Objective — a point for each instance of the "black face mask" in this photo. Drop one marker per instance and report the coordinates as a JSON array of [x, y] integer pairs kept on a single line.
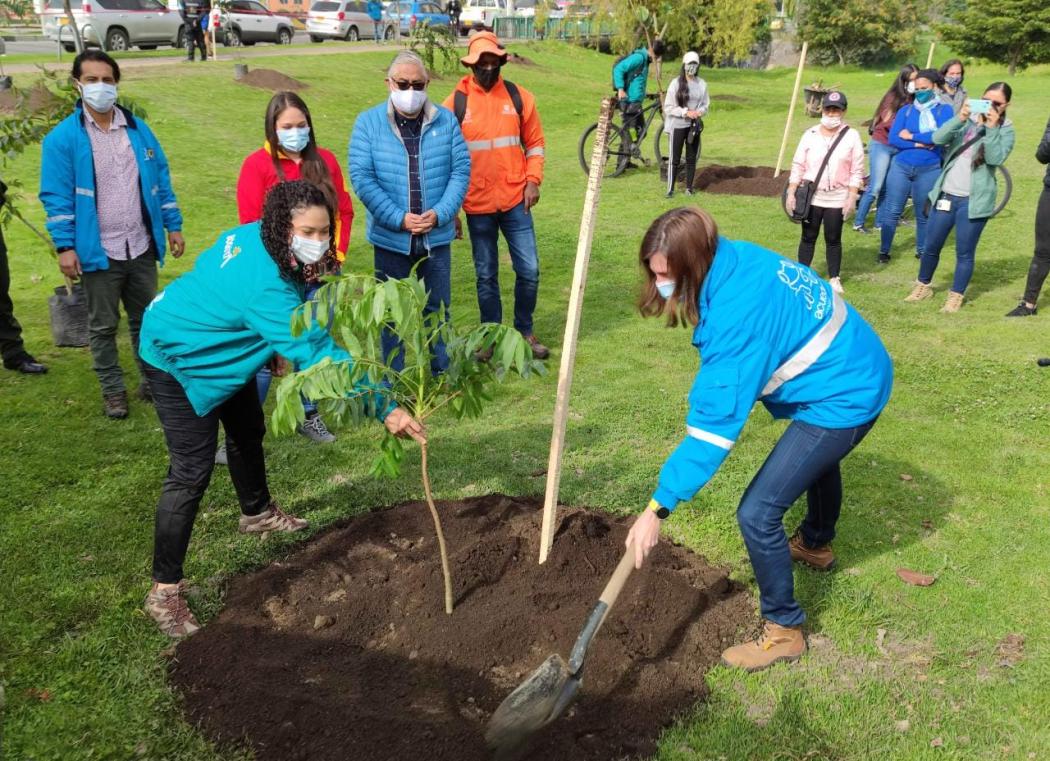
[[487, 78]]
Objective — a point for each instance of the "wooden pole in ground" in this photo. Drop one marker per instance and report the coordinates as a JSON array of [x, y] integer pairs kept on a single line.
[[791, 108], [929, 58], [572, 325]]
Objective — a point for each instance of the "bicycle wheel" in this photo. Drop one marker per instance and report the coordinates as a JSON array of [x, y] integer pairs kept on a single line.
[[662, 145], [618, 150], [1004, 189]]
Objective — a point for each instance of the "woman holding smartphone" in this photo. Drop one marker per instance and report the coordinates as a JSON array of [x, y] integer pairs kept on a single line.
[[963, 197]]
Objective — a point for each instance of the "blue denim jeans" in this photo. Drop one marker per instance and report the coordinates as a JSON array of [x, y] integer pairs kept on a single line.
[[901, 181], [435, 271], [879, 158], [516, 225], [806, 459], [967, 234], [264, 378]]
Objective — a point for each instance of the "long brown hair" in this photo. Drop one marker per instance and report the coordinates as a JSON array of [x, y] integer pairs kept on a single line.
[[313, 168], [688, 237]]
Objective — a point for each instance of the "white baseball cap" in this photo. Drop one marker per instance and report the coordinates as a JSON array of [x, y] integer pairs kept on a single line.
[[691, 57]]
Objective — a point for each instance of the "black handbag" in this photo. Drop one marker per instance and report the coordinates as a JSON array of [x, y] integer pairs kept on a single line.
[[807, 189], [696, 126]]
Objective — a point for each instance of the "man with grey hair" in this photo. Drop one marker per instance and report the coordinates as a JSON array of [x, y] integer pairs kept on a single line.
[[411, 187]]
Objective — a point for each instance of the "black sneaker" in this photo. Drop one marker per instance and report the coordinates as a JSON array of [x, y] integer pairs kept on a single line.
[[884, 258], [1021, 310], [25, 364], [861, 229], [669, 194]]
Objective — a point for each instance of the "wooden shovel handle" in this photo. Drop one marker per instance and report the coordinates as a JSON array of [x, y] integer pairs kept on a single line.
[[600, 611], [619, 578]]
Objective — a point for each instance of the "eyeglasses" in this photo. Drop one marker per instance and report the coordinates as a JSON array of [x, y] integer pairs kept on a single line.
[[404, 85]]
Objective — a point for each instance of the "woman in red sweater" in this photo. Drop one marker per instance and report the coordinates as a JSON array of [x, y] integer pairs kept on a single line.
[[291, 153]]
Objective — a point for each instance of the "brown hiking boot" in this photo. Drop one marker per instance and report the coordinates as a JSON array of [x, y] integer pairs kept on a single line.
[[169, 609], [920, 292], [273, 519], [820, 558], [777, 643], [539, 351], [953, 303], [115, 406]]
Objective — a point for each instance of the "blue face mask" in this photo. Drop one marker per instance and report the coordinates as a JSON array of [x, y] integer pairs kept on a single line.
[[665, 288], [953, 82], [923, 96], [294, 139]]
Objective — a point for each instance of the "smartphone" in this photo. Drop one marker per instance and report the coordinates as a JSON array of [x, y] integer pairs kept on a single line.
[[979, 105]]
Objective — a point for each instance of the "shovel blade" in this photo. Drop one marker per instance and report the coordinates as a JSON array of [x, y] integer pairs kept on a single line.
[[528, 708]]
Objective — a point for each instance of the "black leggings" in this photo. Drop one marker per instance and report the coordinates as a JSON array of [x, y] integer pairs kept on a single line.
[[192, 440], [1040, 266], [832, 221], [692, 152]]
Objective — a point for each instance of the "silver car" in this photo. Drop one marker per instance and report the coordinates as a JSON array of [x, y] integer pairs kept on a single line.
[[113, 24], [345, 20], [245, 22]]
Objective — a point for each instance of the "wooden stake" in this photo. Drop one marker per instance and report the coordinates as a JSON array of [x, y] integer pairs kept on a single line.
[[929, 58], [572, 325], [791, 108]]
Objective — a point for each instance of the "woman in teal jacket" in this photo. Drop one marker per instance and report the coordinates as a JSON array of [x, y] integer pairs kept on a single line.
[[204, 338], [964, 195], [768, 329]]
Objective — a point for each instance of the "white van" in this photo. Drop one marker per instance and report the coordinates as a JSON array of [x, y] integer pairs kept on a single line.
[[345, 20], [113, 24]]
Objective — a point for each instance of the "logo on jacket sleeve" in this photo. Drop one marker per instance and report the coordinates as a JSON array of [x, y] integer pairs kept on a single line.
[[805, 285], [229, 251]]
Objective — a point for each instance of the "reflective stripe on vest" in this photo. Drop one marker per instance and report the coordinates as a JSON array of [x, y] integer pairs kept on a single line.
[[509, 141], [711, 438], [804, 358]]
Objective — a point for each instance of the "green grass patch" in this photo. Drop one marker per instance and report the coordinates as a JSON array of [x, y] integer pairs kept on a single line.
[[82, 667]]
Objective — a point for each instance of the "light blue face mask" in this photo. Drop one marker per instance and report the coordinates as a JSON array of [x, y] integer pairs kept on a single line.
[[100, 96], [665, 288], [294, 139]]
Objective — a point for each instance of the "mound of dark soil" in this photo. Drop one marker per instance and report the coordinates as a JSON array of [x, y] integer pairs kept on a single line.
[[520, 59], [343, 650], [37, 99], [740, 180], [268, 79]]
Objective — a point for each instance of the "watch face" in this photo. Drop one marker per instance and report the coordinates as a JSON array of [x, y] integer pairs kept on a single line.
[[662, 513]]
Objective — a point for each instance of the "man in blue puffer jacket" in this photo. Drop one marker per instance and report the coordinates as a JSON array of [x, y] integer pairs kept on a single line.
[[105, 186], [410, 167]]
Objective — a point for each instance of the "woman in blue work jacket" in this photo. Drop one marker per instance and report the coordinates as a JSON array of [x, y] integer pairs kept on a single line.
[[768, 329], [203, 339]]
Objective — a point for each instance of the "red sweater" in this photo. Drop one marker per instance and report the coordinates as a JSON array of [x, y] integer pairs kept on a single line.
[[258, 175]]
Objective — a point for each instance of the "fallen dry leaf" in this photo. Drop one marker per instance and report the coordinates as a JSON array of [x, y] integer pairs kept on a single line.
[[903, 725], [915, 578], [927, 524], [880, 639], [1010, 650], [936, 742], [37, 694], [906, 477]]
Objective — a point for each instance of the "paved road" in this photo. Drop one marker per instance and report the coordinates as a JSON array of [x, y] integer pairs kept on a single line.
[[46, 46]]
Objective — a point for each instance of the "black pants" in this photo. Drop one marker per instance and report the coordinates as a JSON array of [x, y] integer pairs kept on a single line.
[[1037, 272], [192, 441], [832, 221], [692, 152], [11, 347], [194, 39]]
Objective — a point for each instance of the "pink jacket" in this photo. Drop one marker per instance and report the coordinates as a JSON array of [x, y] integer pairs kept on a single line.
[[846, 168]]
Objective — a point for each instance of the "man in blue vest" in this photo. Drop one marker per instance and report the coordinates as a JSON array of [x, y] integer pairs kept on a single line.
[[105, 186], [630, 78]]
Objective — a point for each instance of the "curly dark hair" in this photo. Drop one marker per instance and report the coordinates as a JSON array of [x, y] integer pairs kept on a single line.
[[284, 201]]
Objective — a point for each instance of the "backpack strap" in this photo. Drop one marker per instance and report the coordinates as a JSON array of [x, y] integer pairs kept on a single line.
[[459, 106]]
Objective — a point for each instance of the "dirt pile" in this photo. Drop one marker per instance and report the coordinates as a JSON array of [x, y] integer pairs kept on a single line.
[[38, 99], [343, 650], [740, 180], [268, 79]]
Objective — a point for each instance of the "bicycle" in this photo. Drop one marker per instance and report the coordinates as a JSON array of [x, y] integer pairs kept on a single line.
[[1004, 190], [621, 147]]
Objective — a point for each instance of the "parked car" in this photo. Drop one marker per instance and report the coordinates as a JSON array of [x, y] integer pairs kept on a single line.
[[345, 20], [113, 24], [412, 13], [246, 22]]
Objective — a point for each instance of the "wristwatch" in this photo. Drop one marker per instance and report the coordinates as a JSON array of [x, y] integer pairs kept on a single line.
[[661, 511]]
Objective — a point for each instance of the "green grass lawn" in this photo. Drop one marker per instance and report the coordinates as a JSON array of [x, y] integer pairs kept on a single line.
[[83, 669]]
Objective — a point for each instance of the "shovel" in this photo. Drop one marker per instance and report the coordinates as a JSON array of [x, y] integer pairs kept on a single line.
[[545, 695]]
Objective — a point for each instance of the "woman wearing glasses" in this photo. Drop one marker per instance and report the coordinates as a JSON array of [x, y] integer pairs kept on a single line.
[[410, 167], [290, 152]]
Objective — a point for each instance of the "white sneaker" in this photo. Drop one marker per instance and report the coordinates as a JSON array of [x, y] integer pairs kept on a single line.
[[314, 429], [836, 285]]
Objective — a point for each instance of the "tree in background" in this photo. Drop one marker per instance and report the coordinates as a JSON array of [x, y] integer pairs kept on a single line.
[[858, 31], [1011, 32]]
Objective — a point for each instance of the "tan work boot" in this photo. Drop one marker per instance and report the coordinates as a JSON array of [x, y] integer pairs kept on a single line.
[[169, 609], [953, 303], [820, 558], [777, 643], [271, 519], [920, 292]]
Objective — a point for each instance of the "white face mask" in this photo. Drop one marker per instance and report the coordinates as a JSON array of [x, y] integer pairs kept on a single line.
[[100, 96], [691, 69], [911, 88], [308, 250], [408, 101], [831, 122]]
